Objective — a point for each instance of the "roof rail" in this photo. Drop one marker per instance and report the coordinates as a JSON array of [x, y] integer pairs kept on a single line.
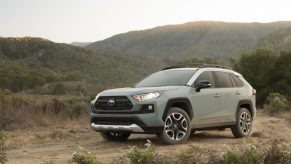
[[197, 65], [213, 66], [172, 67]]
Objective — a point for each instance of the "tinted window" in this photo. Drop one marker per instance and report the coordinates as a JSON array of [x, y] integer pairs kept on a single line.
[[167, 78], [223, 80], [232, 81], [206, 76], [238, 82]]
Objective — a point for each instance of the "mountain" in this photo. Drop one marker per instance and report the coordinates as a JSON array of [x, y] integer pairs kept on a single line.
[[277, 41], [80, 44], [195, 39], [27, 63]]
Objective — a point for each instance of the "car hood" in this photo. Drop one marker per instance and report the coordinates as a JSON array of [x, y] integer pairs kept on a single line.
[[134, 91]]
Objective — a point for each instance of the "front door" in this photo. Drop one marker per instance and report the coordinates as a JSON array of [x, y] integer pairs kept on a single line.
[[207, 103]]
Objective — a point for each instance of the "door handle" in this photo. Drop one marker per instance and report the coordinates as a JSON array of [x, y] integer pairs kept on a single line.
[[216, 95], [237, 93]]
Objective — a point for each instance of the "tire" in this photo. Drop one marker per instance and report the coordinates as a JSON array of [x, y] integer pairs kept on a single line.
[[243, 126], [177, 127], [115, 136]]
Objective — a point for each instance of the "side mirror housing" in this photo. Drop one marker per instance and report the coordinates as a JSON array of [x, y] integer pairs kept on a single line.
[[202, 84]]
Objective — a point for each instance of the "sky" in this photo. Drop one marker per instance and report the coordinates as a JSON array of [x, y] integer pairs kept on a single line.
[[92, 20]]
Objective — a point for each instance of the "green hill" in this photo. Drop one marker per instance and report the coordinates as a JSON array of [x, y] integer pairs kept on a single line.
[[277, 41], [196, 39], [27, 63]]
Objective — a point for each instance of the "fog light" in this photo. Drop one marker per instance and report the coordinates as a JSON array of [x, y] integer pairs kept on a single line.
[[147, 108], [150, 107]]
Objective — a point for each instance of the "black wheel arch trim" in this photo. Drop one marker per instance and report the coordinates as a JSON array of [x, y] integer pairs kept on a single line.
[[179, 100], [245, 102]]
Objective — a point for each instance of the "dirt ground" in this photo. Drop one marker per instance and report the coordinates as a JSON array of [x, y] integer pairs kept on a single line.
[[56, 144]]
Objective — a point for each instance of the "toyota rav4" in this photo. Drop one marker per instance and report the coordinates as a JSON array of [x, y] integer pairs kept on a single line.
[[175, 102]]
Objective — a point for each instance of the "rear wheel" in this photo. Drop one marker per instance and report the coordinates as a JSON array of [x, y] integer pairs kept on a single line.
[[243, 126], [176, 128], [115, 136]]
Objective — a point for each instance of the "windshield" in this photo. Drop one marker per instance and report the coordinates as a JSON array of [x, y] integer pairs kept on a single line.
[[167, 78]]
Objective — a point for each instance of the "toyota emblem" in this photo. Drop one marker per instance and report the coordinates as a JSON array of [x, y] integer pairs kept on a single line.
[[111, 102]]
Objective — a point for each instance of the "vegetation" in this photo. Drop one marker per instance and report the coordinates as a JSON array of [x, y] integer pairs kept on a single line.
[[277, 154], [268, 73], [277, 41], [147, 156], [194, 61], [29, 63], [195, 39], [3, 157], [276, 103], [84, 158], [23, 111], [248, 154]]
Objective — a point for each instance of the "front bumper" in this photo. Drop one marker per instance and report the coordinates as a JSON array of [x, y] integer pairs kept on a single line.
[[130, 128], [134, 123]]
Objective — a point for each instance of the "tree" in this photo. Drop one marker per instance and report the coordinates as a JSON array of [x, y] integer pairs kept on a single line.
[[266, 72]]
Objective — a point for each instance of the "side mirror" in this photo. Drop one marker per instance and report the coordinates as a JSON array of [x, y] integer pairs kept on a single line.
[[202, 84]]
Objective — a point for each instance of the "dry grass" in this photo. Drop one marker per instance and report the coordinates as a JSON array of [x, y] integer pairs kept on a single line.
[[22, 112], [3, 157], [285, 115]]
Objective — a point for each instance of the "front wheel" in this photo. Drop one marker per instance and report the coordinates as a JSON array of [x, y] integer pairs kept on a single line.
[[243, 126], [176, 127], [115, 136]]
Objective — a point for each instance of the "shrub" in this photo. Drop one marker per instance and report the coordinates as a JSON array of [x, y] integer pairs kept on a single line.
[[137, 155], [196, 155], [276, 154], [59, 89], [140, 156], [249, 154], [276, 103], [3, 157], [84, 158], [230, 156]]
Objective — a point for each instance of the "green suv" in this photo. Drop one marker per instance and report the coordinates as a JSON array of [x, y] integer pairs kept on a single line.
[[174, 102]]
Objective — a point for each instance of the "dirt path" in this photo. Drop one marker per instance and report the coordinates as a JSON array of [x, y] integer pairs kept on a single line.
[[56, 144]]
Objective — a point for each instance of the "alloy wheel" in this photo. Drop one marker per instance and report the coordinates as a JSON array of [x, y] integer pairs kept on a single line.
[[176, 126], [245, 122]]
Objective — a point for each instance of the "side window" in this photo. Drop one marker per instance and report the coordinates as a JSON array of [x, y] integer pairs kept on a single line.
[[223, 80], [207, 75], [238, 82], [232, 81]]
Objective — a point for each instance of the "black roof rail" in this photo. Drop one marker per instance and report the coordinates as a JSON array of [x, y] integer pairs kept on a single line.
[[213, 66], [198, 65], [172, 67]]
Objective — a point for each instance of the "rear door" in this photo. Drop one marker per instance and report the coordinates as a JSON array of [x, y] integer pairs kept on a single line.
[[207, 102], [228, 92]]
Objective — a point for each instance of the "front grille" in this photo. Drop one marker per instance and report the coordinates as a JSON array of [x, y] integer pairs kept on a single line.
[[113, 103]]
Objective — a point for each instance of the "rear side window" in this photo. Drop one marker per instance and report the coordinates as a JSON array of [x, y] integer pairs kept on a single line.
[[238, 82], [223, 80], [207, 75]]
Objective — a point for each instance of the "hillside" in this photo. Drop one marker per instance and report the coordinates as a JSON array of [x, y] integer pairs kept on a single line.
[[196, 39], [80, 44], [27, 63], [277, 41]]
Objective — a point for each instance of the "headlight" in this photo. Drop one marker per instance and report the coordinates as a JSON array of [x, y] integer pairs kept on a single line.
[[147, 96]]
